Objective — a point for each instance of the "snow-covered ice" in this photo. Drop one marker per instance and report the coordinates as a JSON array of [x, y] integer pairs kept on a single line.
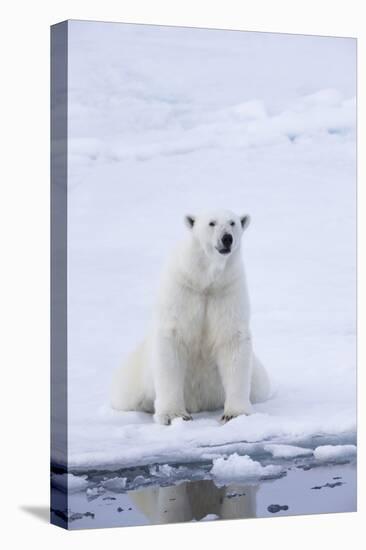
[[164, 121], [239, 468], [331, 453]]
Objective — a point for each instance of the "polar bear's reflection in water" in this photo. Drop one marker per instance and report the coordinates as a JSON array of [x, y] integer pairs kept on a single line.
[[194, 500]]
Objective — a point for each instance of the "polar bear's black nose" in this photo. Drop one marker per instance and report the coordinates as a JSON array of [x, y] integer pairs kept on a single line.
[[227, 240]]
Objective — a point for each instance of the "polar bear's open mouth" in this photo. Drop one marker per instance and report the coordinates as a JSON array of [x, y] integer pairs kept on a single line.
[[224, 250]]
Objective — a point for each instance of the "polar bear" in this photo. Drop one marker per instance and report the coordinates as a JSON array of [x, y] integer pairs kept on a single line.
[[198, 355]]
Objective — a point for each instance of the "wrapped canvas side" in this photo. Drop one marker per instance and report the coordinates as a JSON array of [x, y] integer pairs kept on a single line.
[[59, 499]]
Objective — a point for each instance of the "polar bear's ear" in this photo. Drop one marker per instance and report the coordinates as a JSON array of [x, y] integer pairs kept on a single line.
[[245, 221], [190, 221]]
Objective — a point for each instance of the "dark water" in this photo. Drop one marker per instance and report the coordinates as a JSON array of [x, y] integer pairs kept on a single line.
[[303, 488]]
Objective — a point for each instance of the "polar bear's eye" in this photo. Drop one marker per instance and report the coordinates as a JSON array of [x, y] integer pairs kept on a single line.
[[212, 224], [232, 223]]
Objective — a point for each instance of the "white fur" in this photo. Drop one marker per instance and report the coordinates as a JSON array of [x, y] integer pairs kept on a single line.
[[198, 355]]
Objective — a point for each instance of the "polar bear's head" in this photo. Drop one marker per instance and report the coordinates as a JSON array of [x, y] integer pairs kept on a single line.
[[219, 233]]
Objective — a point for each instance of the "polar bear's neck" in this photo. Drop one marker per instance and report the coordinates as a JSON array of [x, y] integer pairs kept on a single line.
[[201, 272]]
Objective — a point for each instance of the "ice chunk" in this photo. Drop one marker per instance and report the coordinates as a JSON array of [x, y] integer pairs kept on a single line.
[[210, 517], [115, 484], [329, 453], [237, 467], [69, 482], [161, 470], [287, 451], [94, 492]]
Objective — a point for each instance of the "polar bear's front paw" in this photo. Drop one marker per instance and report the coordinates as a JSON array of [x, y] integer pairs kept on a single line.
[[167, 418], [226, 417], [230, 414]]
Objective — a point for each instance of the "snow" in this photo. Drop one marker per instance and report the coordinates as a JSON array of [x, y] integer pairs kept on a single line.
[[237, 468], [69, 482], [287, 451], [165, 121], [330, 453]]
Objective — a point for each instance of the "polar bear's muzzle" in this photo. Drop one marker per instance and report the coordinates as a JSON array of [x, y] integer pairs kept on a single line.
[[225, 244]]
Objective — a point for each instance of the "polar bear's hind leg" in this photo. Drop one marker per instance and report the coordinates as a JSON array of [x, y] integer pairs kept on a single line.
[[129, 384]]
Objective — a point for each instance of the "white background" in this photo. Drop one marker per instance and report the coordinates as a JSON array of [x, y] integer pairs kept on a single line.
[[24, 222]]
